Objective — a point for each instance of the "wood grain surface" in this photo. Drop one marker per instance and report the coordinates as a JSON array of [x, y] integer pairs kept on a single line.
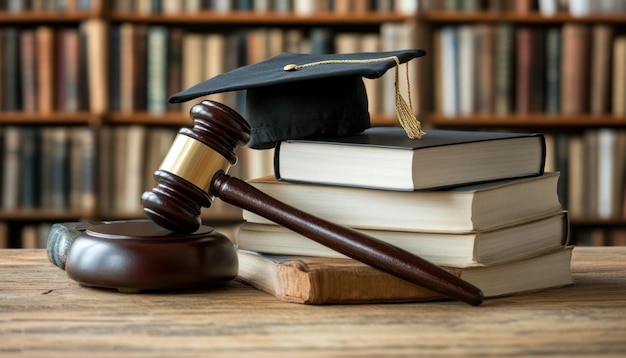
[[45, 314]]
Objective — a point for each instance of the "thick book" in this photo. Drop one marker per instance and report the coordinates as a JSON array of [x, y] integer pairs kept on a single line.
[[476, 248], [385, 158], [317, 280], [460, 209]]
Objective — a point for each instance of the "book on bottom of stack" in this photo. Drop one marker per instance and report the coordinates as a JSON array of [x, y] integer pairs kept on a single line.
[[506, 237], [324, 280]]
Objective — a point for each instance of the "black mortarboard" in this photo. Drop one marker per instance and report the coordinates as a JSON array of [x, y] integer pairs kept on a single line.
[[291, 96]]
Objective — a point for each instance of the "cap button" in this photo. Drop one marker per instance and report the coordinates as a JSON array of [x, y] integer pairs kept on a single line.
[[290, 67]]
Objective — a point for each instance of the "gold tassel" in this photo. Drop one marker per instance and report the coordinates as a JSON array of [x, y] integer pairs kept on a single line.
[[404, 110], [406, 116]]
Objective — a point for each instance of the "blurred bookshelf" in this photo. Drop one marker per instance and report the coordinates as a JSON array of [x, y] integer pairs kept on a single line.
[[91, 78], [84, 118], [549, 66]]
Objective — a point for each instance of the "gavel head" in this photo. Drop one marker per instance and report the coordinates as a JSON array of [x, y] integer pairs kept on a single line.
[[197, 154]]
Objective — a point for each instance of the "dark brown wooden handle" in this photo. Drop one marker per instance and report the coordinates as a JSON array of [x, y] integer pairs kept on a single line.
[[349, 242]]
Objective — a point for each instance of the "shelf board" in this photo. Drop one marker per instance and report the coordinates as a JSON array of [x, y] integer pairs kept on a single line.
[[511, 17], [597, 222], [256, 18], [526, 120], [35, 17], [147, 118], [53, 118], [44, 215]]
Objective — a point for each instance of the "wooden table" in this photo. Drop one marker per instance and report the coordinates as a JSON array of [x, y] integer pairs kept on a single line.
[[45, 314]]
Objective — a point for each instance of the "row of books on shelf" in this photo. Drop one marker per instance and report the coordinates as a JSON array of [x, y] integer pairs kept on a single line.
[[98, 173], [48, 70], [149, 63], [60, 6], [504, 68], [27, 235], [55, 168], [498, 225], [593, 172], [298, 7], [130, 154], [48, 168], [45, 69], [523, 7]]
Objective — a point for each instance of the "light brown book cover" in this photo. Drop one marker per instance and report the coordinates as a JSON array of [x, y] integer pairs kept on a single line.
[[314, 280]]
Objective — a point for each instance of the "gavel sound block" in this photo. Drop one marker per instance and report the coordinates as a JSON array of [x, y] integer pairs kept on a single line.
[[134, 256], [194, 171]]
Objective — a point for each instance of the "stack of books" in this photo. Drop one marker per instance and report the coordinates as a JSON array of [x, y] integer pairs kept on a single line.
[[478, 204]]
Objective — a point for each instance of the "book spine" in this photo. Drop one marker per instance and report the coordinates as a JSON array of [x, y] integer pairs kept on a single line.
[[553, 66], [574, 69], [29, 168], [115, 69], [28, 61], [450, 70], [467, 68], [619, 76], [485, 79], [45, 184], [59, 183], [45, 68], [139, 68], [127, 70], [606, 172], [11, 167], [504, 68], [174, 64], [602, 37], [96, 33], [157, 69]]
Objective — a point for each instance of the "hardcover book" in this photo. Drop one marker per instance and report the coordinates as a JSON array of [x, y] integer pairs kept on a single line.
[[385, 158], [446, 249], [460, 209], [318, 280]]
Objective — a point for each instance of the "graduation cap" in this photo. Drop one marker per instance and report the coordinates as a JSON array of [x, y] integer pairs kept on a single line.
[[292, 96]]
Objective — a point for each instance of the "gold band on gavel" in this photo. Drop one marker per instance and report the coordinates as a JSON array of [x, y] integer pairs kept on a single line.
[[194, 161]]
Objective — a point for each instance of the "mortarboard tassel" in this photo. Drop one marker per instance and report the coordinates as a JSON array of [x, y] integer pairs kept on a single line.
[[406, 116]]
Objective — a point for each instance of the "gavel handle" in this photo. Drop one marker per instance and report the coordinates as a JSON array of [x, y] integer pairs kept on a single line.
[[349, 242]]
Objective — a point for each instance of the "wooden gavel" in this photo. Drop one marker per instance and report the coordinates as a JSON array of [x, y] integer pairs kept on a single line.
[[194, 170]]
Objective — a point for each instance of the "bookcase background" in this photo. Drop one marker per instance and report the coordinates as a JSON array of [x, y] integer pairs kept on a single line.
[[84, 118], [552, 66], [89, 80]]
